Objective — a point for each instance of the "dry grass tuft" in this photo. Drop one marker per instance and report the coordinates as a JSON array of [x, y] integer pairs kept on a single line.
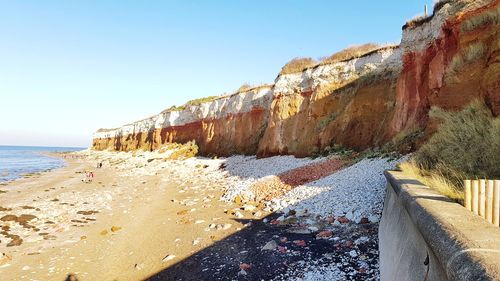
[[471, 54], [440, 4], [433, 180], [419, 20], [298, 65], [416, 21], [244, 87], [191, 103], [466, 145], [490, 17], [351, 53]]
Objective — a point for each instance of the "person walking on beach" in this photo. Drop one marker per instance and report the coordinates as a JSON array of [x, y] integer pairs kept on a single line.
[[86, 178]]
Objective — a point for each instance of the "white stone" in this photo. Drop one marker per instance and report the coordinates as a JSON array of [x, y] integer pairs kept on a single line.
[[168, 258]]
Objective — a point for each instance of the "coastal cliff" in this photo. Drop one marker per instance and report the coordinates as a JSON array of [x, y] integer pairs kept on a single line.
[[447, 59]]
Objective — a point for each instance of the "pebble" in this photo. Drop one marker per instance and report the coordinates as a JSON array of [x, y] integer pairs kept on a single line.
[[363, 183], [271, 245], [168, 258], [313, 228], [249, 208], [139, 266]]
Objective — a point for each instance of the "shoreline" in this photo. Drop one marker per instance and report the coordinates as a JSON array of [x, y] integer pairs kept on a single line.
[[51, 154]]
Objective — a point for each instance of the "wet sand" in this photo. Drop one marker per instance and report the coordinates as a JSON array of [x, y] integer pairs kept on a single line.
[[122, 226]]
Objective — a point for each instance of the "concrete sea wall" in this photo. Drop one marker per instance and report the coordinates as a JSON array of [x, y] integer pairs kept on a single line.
[[425, 236]]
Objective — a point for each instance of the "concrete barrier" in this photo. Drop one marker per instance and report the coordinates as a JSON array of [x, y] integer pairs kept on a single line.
[[426, 236]]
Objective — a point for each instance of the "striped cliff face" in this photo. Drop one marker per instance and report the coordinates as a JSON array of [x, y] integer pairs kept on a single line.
[[223, 126], [446, 61]]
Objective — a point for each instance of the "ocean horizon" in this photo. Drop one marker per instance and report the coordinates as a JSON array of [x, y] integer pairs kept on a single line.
[[15, 161]]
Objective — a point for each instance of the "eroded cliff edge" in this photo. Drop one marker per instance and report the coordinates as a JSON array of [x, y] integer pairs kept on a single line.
[[447, 60]]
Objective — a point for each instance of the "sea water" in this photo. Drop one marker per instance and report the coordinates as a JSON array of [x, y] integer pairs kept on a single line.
[[18, 160]]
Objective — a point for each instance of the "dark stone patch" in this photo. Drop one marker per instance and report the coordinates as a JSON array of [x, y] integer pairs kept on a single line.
[[87, 213], [222, 260]]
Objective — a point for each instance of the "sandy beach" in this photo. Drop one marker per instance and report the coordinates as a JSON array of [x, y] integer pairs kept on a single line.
[[147, 217], [117, 227]]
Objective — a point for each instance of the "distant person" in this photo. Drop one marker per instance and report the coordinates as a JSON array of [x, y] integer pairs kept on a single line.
[[100, 165], [85, 179]]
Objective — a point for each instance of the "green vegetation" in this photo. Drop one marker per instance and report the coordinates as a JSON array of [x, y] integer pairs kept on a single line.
[[201, 100], [490, 17], [351, 53], [467, 142], [184, 151], [323, 123], [191, 103], [180, 151], [419, 20], [466, 146], [336, 150], [194, 102], [405, 141], [298, 65], [471, 54], [175, 108]]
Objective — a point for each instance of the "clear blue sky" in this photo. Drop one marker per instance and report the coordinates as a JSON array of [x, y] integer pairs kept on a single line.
[[68, 68]]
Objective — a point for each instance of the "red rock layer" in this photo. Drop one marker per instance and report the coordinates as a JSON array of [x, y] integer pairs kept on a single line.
[[236, 133]]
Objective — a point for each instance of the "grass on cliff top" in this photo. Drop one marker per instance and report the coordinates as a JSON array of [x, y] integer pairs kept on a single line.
[[191, 103], [243, 88], [465, 146], [298, 65], [351, 53], [421, 19]]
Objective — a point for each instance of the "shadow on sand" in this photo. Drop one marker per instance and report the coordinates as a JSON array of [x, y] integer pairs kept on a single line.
[[221, 261]]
